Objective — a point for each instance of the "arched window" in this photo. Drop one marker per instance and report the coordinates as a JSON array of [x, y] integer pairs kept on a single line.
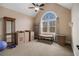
[[48, 22], [48, 16]]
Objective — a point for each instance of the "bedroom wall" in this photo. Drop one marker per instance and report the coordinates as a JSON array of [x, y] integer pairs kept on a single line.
[[64, 17], [75, 28], [23, 22]]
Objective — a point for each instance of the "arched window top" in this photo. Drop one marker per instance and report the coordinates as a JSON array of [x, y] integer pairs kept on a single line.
[[49, 16]]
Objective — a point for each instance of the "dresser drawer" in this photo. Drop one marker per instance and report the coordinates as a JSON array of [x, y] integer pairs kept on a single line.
[[61, 40]]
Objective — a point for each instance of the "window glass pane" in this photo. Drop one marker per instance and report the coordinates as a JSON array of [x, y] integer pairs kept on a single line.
[[44, 29], [52, 23], [48, 23], [52, 29], [13, 26], [8, 27], [49, 16], [44, 24]]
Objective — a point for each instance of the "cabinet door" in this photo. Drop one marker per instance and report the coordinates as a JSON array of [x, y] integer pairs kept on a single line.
[[21, 38], [32, 36], [61, 40], [27, 38], [9, 30]]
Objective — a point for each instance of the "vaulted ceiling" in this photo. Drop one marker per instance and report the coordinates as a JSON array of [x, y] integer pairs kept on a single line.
[[66, 5], [23, 7]]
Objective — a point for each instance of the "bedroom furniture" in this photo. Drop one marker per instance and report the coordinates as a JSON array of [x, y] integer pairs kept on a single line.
[[24, 37], [36, 31], [7, 30], [32, 35], [29, 35], [46, 37], [20, 37], [61, 40]]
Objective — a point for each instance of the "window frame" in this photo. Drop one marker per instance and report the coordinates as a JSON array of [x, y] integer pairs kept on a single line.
[[48, 27]]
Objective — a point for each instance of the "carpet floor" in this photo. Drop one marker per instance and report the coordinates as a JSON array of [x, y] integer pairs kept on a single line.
[[35, 48]]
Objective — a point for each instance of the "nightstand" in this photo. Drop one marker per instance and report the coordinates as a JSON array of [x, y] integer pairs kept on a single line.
[[61, 40]]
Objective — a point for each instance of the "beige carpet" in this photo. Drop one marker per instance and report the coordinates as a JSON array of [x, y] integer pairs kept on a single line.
[[34, 48]]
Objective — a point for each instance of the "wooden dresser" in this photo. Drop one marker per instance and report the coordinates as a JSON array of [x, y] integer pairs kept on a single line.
[[23, 37], [61, 40]]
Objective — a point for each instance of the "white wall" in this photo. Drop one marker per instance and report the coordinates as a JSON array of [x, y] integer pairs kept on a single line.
[[75, 28]]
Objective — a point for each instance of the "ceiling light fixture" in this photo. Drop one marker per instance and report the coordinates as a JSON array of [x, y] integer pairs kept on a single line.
[[36, 8]]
